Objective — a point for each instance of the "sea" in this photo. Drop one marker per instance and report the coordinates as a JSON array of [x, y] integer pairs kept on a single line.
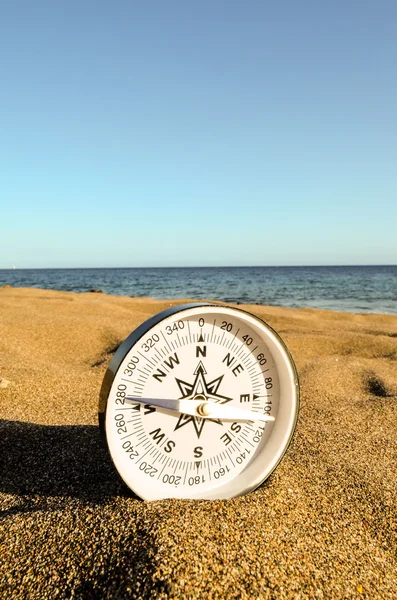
[[359, 289]]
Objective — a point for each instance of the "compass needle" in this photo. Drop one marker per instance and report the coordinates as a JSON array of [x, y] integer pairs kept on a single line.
[[206, 410], [201, 401]]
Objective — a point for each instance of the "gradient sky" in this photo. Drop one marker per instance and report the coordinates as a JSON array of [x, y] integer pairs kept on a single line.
[[197, 133]]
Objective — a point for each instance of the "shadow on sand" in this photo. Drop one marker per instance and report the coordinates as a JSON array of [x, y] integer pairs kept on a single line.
[[44, 460]]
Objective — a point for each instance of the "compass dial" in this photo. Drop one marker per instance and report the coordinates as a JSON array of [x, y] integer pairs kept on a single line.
[[201, 359]]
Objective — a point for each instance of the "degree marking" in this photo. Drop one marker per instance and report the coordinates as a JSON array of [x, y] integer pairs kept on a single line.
[[141, 442], [184, 480], [190, 335], [230, 456], [247, 363], [232, 340], [145, 357], [143, 373], [143, 456], [161, 472], [212, 333], [166, 341], [241, 350], [247, 358]]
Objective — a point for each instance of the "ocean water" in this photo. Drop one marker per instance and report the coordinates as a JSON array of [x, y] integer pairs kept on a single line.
[[355, 289]]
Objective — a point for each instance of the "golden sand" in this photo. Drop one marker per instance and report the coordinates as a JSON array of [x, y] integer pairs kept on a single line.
[[323, 526]]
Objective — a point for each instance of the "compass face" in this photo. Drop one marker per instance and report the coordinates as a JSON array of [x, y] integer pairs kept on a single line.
[[200, 352]]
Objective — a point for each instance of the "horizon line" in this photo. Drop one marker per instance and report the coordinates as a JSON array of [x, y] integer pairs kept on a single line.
[[13, 268]]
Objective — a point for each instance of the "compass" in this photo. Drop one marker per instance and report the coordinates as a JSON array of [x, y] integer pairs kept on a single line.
[[200, 401]]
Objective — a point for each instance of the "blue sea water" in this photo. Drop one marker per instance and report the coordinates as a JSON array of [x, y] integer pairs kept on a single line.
[[358, 289]]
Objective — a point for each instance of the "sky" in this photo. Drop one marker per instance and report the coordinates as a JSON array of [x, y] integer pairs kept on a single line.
[[211, 133]]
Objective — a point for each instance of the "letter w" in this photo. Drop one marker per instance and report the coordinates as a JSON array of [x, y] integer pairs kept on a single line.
[[171, 361]]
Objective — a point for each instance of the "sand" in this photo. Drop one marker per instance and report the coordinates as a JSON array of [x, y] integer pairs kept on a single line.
[[324, 525]]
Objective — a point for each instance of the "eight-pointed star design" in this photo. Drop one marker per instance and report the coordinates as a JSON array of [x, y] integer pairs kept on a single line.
[[200, 389]]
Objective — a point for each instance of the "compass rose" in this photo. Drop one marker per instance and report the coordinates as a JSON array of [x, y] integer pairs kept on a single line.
[[200, 389]]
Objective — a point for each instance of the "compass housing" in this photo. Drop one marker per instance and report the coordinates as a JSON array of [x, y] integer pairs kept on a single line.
[[199, 351]]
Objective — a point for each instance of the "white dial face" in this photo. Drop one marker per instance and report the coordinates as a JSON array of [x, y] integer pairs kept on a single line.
[[210, 353]]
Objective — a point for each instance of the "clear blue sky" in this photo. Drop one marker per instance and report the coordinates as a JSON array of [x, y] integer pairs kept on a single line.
[[197, 133]]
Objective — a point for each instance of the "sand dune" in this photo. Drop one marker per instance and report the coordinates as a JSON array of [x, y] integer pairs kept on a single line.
[[323, 526]]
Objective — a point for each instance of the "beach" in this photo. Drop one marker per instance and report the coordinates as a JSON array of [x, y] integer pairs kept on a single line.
[[324, 525]]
